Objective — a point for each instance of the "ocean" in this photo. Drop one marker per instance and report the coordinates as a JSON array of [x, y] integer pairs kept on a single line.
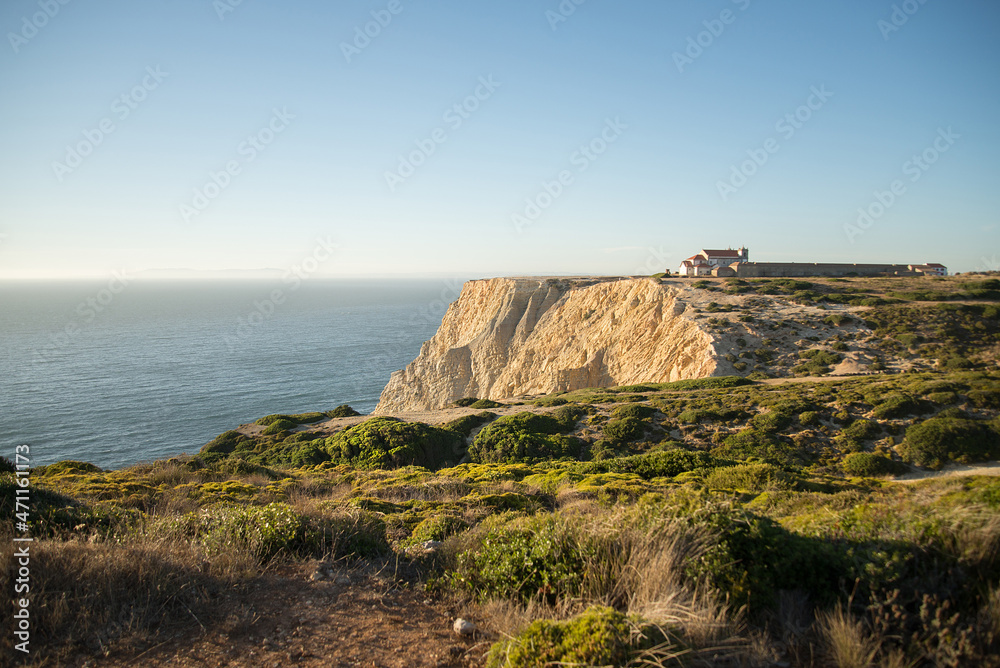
[[116, 374]]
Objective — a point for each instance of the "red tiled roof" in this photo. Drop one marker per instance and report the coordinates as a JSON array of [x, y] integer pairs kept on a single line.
[[729, 252]]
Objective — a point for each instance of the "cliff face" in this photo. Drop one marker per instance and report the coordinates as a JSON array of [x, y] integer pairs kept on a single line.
[[507, 337]]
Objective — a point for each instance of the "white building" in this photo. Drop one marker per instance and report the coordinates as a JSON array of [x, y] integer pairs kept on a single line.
[[932, 268], [702, 264]]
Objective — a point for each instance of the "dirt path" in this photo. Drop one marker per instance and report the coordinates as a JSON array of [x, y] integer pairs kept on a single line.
[[360, 616], [952, 471]]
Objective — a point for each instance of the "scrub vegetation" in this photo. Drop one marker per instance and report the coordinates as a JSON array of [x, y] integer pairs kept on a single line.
[[667, 523]]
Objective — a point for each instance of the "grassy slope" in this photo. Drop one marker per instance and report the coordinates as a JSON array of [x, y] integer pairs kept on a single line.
[[704, 516]]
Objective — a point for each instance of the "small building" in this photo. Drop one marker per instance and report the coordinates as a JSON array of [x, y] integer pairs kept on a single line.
[[706, 262], [931, 268]]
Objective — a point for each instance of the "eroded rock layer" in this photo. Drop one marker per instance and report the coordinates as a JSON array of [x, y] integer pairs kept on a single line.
[[507, 337]]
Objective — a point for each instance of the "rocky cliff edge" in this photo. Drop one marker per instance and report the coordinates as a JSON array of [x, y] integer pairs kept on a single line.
[[507, 337]]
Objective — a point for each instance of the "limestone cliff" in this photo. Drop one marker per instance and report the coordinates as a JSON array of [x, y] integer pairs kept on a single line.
[[507, 337]]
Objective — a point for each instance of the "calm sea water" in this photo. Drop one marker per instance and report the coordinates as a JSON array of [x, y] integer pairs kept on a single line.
[[115, 376]]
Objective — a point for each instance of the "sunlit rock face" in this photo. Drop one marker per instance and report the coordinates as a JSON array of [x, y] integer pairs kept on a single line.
[[507, 337]]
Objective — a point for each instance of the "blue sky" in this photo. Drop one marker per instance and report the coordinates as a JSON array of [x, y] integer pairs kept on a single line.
[[651, 114]]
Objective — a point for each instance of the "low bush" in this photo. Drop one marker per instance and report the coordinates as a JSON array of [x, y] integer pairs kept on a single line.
[[523, 437], [279, 426], [385, 442], [870, 465], [771, 421], [521, 559], [938, 441], [484, 404], [624, 430], [710, 383], [861, 430], [342, 411], [753, 478], [666, 463], [898, 406], [465, 424], [750, 444], [638, 411], [600, 636], [985, 398]]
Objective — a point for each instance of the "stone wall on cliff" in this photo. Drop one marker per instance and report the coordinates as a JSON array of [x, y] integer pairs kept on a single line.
[[508, 337]]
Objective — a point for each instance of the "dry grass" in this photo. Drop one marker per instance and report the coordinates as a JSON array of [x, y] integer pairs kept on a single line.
[[642, 572], [847, 643], [89, 595]]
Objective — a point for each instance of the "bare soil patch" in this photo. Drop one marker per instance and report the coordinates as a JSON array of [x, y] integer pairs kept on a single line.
[[359, 616]]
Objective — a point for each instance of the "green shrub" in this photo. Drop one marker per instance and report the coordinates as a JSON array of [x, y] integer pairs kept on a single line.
[[696, 415], [710, 383], [437, 527], [634, 388], [752, 444], [624, 430], [386, 442], [754, 478], [521, 558], [568, 416], [751, 558], [837, 319], [276, 529], [985, 398], [466, 402], [465, 424], [279, 426], [771, 421], [65, 466], [954, 362], [224, 443], [342, 411], [937, 441], [551, 401], [666, 463], [862, 430], [638, 411], [483, 404], [600, 636], [897, 406], [809, 418], [523, 437], [870, 465]]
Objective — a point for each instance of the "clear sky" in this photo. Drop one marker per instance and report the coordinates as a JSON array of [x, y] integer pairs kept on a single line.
[[593, 138]]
